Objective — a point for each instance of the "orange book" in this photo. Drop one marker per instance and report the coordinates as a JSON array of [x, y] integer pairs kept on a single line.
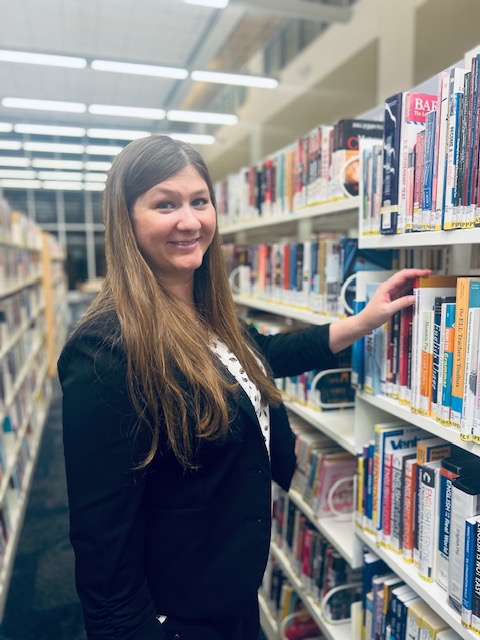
[[426, 362]]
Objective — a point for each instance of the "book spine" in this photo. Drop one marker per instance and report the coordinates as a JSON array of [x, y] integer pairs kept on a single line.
[[445, 507], [468, 572], [409, 508], [475, 620], [470, 375], [444, 410], [461, 325], [428, 501]]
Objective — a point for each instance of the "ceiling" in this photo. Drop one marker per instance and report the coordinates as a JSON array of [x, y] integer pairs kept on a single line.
[[155, 32]]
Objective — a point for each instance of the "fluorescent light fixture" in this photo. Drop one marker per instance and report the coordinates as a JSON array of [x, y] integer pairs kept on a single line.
[[44, 105], [234, 78], [53, 147], [214, 4], [50, 163], [50, 130], [139, 69], [6, 127], [26, 57], [99, 150], [92, 165], [59, 185], [9, 161], [126, 112], [94, 186], [95, 177], [60, 175], [202, 116], [117, 134], [18, 174], [10, 145], [20, 184], [192, 138]]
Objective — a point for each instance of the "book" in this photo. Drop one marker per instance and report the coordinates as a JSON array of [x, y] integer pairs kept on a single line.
[[465, 504], [425, 290], [413, 115], [459, 463], [455, 95], [391, 164], [388, 436], [399, 460], [409, 509], [469, 570], [470, 374], [416, 611], [475, 619], [418, 180], [431, 623], [468, 296], [444, 397], [439, 310], [428, 506], [430, 449], [427, 220], [344, 171]]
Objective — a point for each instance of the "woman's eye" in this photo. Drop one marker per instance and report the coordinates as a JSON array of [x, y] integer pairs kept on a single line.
[[200, 202], [164, 205]]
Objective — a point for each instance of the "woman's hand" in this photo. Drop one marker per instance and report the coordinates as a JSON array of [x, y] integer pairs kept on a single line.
[[390, 297]]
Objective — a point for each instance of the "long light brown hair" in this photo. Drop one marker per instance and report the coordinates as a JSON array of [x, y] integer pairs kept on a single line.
[[173, 379]]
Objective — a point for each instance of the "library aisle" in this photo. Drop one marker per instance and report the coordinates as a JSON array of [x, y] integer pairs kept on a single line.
[[42, 602]]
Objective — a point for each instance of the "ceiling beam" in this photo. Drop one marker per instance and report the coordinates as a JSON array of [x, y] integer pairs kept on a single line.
[[299, 9]]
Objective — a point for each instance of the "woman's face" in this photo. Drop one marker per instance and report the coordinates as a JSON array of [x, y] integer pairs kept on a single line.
[[174, 223]]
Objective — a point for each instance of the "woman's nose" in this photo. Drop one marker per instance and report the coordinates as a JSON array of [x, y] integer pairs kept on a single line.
[[188, 219]]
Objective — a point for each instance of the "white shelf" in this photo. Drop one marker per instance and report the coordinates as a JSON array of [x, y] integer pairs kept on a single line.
[[431, 592], [340, 533], [21, 330], [283, 309], [404, 413], [341, 631], [421, 239], [346, 206], [339, 425], [267, 621], [18, 286]]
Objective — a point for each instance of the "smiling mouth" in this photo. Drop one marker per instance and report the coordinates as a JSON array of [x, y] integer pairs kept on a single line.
[[185, 243]]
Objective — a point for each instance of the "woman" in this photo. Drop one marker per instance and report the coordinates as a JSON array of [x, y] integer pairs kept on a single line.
[[173, 427]]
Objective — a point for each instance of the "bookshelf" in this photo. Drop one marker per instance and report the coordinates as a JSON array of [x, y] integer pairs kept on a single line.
[[55, 287], [27, 301], [355, 430]]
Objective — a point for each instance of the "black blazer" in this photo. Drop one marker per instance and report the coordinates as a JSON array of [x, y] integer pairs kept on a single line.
[[187, 544]]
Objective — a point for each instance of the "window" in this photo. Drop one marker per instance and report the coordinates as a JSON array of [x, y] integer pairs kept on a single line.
[[77, 268], [17, 199], [74, 207], [45, 207]]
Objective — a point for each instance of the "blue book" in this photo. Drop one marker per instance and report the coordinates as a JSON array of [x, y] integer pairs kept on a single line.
[[430, 125], [373, 351], [358, 356], [443, 411], [468, 570]]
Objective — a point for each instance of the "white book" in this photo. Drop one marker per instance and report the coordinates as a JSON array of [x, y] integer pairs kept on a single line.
[[471, 366]]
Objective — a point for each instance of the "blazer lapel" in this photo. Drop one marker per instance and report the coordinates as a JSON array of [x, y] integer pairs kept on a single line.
[[243, 401]]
